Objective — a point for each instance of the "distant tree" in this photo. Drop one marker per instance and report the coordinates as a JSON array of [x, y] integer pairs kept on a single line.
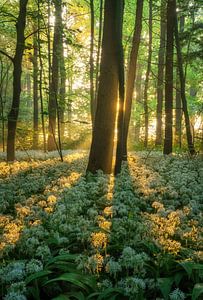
[[178, 108], [160, 79], [145, 96], [170, 19], [101, 151], [35, 92], [182, 90]]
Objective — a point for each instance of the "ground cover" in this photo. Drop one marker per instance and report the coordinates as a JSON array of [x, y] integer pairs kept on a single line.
[[65, 235]]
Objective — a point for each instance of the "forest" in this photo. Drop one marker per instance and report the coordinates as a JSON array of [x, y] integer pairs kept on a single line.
[[101, 149]]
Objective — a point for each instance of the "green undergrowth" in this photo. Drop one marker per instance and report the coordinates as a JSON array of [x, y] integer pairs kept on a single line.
[[67, 235]]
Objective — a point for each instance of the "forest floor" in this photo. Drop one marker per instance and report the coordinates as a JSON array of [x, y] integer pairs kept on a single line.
[[139, 234]]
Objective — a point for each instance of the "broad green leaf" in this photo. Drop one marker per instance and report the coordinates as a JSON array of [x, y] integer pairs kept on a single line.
[[110, 294], [189, 266], [72, 278], [61, 297], [165, 285], [37, 276], [197, 291]]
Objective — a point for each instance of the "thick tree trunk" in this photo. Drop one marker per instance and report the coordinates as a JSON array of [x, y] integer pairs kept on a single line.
[[52, 107], [160, 80], [168, 139], [182, 91], [98, 50], [35, 93], [92, 98], [120, 58], [146, 110], [132, 73], [101, 151], [17, 70]]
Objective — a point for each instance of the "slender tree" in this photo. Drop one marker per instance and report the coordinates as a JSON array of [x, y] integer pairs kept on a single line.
[[17, 70], [120, 59], [35, 92], [182, 90], [178, 108], [40, 75], [52, 143], [132, 73], [138, 100], [160, 79], [101, 151], [146, 109], [168, 139]]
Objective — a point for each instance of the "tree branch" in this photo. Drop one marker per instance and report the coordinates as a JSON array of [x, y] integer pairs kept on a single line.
[[7, 55]]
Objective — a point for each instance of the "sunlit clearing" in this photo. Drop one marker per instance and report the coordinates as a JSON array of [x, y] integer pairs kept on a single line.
[[198, 123]]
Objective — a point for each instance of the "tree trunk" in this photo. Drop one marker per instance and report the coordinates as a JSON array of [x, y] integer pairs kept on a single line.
[[101, 151], [92, 98], [52, 107], [120, 58], [146, 110], [62, 96], [98, 50], [35, 93], [160, 80], [132, 73], [168, 139], [178, 116], [40, 76], [17, 70], [138, 99], [182, 91]]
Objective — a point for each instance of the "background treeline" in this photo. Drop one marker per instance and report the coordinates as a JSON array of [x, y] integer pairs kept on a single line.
[[57, 47]]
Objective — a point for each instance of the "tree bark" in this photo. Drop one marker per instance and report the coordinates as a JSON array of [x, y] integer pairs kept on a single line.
[[101, 151], [146, 109], [138, 99], [17, 70], [160, 80], [168, 139], [178, 115], [182, 91], [52, 107], [92, 98], [120, 58], [35, 93], [132, 73], [98, 49]]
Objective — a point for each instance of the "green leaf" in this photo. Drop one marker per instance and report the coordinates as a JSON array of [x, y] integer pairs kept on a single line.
[[165, 285], [77, 295], [197, 291], [110, 294], [37, 276], [61, 297], [72, 278], [189, 266], [62, 257], [178, 277]]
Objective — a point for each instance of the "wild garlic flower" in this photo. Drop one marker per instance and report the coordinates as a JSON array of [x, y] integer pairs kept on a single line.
[[177, 294]]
